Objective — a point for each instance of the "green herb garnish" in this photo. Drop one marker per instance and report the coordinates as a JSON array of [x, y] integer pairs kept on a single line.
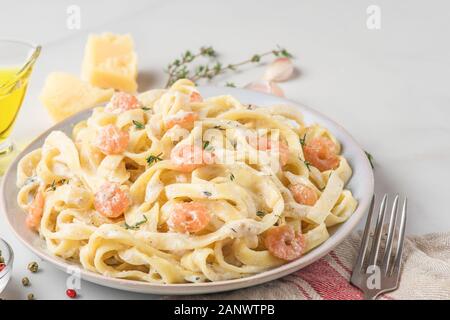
[[230, 84], [138, 125], [307, 164], [303, 140], [180, 68], [153, 159], [55, 184], [206, 146], [260, 213], [136, 225], [231, 177], [52, 186], [31, 180], [145, 108], [371, 160], [207, 193], [281, 52]]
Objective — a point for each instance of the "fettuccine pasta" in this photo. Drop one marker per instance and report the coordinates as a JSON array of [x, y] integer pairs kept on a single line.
[[168, 187]]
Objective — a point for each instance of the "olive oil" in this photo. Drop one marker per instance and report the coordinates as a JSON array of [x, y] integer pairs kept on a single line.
[[13, 86]]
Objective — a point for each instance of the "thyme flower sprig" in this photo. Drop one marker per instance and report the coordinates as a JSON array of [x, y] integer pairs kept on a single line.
[[179, 68]]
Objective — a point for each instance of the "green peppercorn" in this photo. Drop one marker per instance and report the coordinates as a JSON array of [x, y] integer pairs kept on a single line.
[[25, 281], [33, 266], [30, 296]]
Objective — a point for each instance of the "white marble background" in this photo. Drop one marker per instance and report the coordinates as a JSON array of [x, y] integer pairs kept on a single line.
[[388, 87]]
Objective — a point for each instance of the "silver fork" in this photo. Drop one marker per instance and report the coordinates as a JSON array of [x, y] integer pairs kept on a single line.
[[376, 275]]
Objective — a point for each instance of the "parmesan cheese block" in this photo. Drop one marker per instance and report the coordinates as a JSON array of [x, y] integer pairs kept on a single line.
[[110, 62], [64, 95]]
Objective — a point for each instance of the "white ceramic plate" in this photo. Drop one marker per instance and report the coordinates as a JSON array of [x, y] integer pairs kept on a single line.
[[361, 185]]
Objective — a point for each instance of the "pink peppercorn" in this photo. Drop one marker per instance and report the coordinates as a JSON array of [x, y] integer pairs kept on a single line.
[[71, 293]]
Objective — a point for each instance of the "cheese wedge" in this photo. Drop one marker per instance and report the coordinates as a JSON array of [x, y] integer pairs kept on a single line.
[[110, 62], [64, 95]]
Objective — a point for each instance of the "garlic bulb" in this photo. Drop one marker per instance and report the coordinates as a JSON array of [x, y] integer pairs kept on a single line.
[[265, 87], [279, 70]]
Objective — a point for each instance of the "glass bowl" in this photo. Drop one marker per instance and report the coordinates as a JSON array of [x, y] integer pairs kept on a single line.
[[17, 59], [6, 263]]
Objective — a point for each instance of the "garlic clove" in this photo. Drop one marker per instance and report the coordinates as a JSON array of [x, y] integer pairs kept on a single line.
[[276, 90], [265, 87], [279, 70]]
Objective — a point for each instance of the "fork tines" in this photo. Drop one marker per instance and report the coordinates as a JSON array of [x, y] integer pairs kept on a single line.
[[384, 239]]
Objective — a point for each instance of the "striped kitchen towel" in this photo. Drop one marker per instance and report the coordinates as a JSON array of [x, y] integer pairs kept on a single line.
[[425, 275]]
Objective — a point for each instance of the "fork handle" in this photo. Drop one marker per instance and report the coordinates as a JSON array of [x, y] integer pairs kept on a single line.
[[370, 295]]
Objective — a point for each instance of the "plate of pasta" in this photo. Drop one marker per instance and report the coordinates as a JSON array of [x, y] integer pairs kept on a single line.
[[188, 190]]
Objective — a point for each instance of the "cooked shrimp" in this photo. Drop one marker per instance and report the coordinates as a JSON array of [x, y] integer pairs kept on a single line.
[[265, 144], [112, 140], [189, 157], [183, 119], [284, 243], [195, 97], [321, 153], [36, 210], [111, 201], [188, 217], [303, 194], [121, 102]]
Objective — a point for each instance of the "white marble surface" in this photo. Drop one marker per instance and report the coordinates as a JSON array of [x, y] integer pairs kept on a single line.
[[388, 87]]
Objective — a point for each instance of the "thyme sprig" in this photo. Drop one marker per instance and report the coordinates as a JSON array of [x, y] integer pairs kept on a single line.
[[180, 68], [303, 140], [207, 193], [153, 159], [52, 187], [56, 184], [138, 125], [136, 225], [307, 164], [260, 213], [207, 146], [371, 160]]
